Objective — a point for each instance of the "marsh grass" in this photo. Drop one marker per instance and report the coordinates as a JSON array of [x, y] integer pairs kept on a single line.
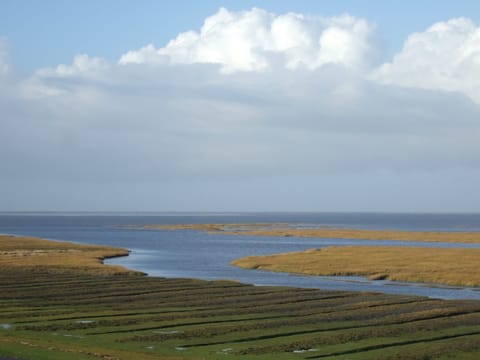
[[449, 266], [75, 310], [36, 254]]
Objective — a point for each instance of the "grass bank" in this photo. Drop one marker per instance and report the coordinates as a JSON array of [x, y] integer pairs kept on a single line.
[[76, 309]]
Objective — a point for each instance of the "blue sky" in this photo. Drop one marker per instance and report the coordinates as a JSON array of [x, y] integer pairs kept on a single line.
[[46, 33], [240, 106]]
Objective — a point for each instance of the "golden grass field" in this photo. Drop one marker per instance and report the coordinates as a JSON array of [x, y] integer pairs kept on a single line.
[[37, 254], [288, 230], [450, 266]]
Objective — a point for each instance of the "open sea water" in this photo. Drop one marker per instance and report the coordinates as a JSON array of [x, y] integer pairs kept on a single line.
[[196, 254]]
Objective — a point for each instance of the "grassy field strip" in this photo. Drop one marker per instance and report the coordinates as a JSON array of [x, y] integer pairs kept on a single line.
[[130, 291], [257, 338], [329, 305], [395, 344], [94, 315], [319, 308], [218, 299], [183, 324], [263, 303], [352, 340], [159, 293], [438, 350], [332, 330], [272, 324], [36, 349], [329, 329], [270, 336]]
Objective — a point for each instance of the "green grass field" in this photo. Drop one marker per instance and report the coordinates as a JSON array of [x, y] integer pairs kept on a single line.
[[51, 314]]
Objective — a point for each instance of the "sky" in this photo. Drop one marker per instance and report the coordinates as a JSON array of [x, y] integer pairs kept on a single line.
[[240, 106]]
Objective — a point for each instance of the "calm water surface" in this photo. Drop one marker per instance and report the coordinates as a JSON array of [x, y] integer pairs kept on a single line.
[[195, 254]]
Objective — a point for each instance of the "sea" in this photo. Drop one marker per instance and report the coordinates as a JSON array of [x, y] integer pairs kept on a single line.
[[200, 255]]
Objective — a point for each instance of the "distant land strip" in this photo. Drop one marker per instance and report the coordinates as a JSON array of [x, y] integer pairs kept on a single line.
[[286, 229], [449, 266]]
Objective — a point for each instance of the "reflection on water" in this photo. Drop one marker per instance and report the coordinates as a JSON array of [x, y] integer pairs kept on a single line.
[[187, 253]]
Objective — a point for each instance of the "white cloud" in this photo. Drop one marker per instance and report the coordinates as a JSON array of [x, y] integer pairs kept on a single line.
[[65, 78], [255, 40], [444, 57], [146, 55], [82, 64]]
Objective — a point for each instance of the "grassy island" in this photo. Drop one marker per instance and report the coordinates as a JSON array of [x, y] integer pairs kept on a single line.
[[58, 302]]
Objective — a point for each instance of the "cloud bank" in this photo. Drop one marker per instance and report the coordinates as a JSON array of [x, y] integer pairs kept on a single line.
[[254, 40], [255, 111], [444, 57]]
